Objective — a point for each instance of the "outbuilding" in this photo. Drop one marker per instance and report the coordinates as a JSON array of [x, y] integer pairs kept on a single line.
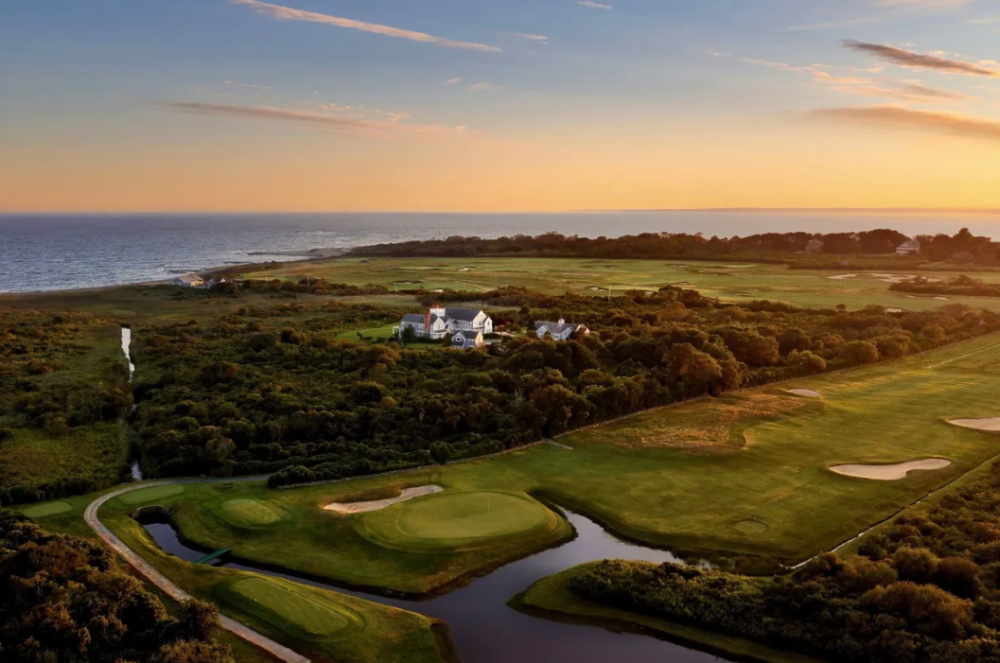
[[467, 339]]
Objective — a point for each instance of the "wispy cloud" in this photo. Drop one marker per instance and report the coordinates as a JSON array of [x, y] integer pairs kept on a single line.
[[317, 119], [860, 83], [282, 13], [919, 60], [905, 118], [453, 81], [593, 5], [527, 36]]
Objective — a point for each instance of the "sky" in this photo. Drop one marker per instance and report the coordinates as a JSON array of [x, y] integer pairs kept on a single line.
[[497, 105]]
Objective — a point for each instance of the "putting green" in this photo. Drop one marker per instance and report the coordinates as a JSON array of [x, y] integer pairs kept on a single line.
[[454, 520], [251, 513], [151, 493], [47, 509], [310, 611]]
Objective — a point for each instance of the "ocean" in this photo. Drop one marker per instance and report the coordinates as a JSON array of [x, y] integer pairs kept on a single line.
[[57, 252]]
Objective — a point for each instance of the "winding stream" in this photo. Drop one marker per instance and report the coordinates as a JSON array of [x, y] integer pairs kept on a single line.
[[486, 630], [127, 350]]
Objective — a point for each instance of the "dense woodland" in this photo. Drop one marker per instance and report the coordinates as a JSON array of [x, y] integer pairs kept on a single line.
[[65, 599], [63, 392], [924, 590], [270, 390], [776, 247]]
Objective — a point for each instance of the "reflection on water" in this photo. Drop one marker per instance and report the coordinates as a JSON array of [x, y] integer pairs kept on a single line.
[[486, 630]]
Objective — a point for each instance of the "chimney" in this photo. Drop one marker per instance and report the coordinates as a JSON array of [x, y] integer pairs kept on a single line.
[[427, 323]]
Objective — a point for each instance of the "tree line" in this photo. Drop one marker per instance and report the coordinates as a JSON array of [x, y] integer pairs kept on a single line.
[[775, 246], [924, 590]]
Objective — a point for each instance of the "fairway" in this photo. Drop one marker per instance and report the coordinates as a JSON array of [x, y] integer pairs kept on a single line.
[[306, 609], [152, 493], [450, 521], [46, 509], [250, 513], [735, 282]]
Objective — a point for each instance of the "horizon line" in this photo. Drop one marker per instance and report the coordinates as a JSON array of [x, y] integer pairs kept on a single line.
[[637, 210]]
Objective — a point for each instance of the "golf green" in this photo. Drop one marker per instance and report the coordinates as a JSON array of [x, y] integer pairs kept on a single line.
[[454, 520], [151, 493], [308, 610], [47, 509], [251, 513]]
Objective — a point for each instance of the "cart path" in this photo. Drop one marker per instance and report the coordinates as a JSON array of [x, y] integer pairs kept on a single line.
[[166, 585]]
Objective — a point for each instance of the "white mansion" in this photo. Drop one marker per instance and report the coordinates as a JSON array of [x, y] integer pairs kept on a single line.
[[439, 322]]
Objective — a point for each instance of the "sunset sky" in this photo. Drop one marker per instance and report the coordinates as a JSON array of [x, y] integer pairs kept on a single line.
[[329, 105]]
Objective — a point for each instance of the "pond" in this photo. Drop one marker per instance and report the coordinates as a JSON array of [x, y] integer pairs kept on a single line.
[[486, 630]]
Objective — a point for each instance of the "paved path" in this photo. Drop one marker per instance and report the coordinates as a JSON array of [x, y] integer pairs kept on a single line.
[[166, 585]]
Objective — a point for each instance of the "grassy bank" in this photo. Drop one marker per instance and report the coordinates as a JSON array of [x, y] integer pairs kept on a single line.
[[551, 598], [324, 625]]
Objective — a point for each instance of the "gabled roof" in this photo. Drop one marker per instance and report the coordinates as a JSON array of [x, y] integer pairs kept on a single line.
[[466, 336], [556, 328], [464, 314], [910, 243], [188, 278], [413, 317]]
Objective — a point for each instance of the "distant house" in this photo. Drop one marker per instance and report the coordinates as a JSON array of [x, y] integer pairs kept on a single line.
[[439, 322], [467, 339], [815, 246], [214, 282], [561, 331], [188, 281], [962, 256], [910, 247]]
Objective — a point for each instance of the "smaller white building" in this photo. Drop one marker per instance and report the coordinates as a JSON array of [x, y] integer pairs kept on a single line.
[[467, 339], [910, 247], [214, 282], [561, 331], [188, 281]]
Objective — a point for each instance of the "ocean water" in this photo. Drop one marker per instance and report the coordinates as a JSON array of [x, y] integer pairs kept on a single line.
[[56, 252]]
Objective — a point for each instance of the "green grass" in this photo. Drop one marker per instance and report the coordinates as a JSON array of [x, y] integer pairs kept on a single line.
[[251, 513], [151, 494], [551, 598], [300, 608], [47, 509], [728, 281], [744, 474], [454, 521], [377, 333]]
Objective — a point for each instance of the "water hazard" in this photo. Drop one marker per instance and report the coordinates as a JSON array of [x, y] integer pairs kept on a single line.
[[486, 630]]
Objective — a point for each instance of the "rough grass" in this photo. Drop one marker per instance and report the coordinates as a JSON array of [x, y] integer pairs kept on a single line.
[[551, 598], [454, 521], [705, 425]]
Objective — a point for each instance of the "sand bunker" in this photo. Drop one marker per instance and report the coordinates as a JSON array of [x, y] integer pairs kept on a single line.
[[807, 393], [894, 310], [943, 299], [465, 269], [992, 424], [890, 472], [887, 278], [376, 505]]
